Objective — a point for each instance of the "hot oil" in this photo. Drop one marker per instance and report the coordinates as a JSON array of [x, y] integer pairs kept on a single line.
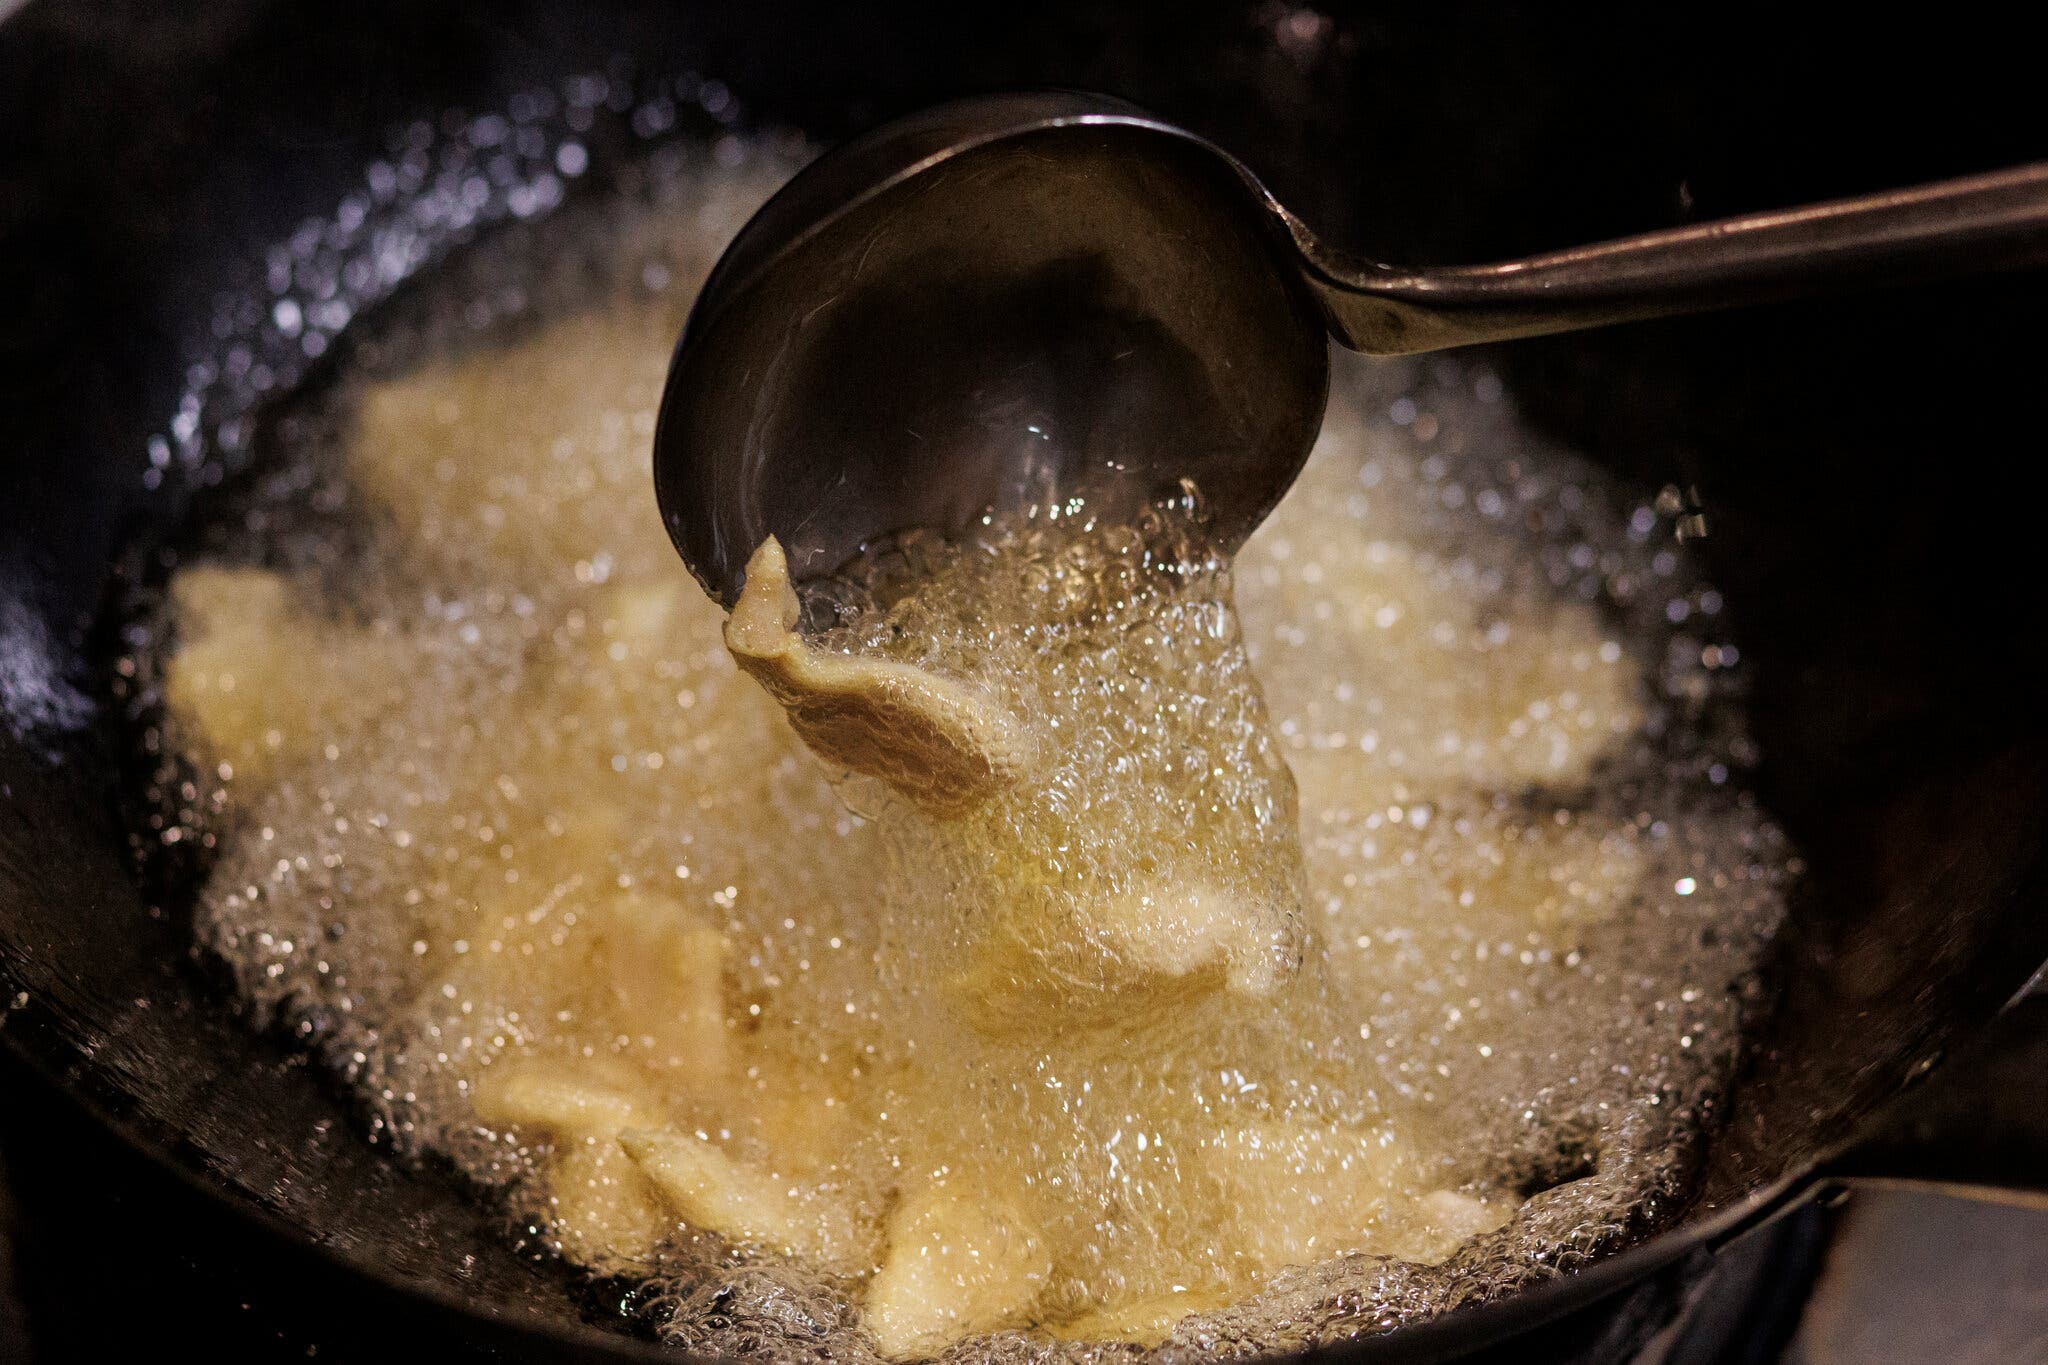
[[1385, 897], [1106, 961]]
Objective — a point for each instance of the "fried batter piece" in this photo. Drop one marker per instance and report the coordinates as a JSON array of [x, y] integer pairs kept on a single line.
[[944, 745]]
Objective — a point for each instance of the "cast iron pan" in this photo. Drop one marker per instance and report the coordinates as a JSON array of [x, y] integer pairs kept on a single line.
[[1870, 470]]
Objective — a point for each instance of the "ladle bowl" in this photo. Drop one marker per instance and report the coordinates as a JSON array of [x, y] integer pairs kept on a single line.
[[1020, 300]]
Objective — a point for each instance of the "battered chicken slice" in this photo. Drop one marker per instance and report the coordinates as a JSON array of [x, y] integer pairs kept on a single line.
[[957, 1264], [744, 1202], [601, 1209], [261, 684], [943, 744]]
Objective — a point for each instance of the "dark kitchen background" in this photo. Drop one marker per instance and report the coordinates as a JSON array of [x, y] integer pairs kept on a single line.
[[133, 134]]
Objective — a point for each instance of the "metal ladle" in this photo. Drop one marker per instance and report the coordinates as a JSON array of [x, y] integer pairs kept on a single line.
[[1054, 299]]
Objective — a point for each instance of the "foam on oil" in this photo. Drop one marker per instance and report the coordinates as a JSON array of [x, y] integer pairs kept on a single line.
[[1386, 898]]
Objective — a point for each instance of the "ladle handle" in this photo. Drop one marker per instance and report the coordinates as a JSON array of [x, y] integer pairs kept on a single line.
[[1976, 223]]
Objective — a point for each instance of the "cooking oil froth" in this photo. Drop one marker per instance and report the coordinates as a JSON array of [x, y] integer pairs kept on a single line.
[[1385, 898]]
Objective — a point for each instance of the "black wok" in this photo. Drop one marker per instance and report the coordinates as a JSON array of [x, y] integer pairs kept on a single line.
[[1870, 472]]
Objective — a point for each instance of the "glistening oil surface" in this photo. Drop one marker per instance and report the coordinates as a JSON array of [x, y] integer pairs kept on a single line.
[[500, 831]]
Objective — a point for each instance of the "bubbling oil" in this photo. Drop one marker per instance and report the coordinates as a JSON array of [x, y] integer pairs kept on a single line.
[[1368, 933]]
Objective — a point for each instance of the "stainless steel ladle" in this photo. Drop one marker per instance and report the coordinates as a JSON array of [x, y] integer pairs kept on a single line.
[[1055, 299]]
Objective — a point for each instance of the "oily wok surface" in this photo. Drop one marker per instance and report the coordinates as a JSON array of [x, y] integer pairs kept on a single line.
[[1867, 467]]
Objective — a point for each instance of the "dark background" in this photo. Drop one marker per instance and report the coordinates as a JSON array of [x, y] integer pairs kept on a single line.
[[145, 147]]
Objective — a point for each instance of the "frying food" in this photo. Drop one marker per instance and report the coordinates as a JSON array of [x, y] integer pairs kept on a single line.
[[1081, 937]]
